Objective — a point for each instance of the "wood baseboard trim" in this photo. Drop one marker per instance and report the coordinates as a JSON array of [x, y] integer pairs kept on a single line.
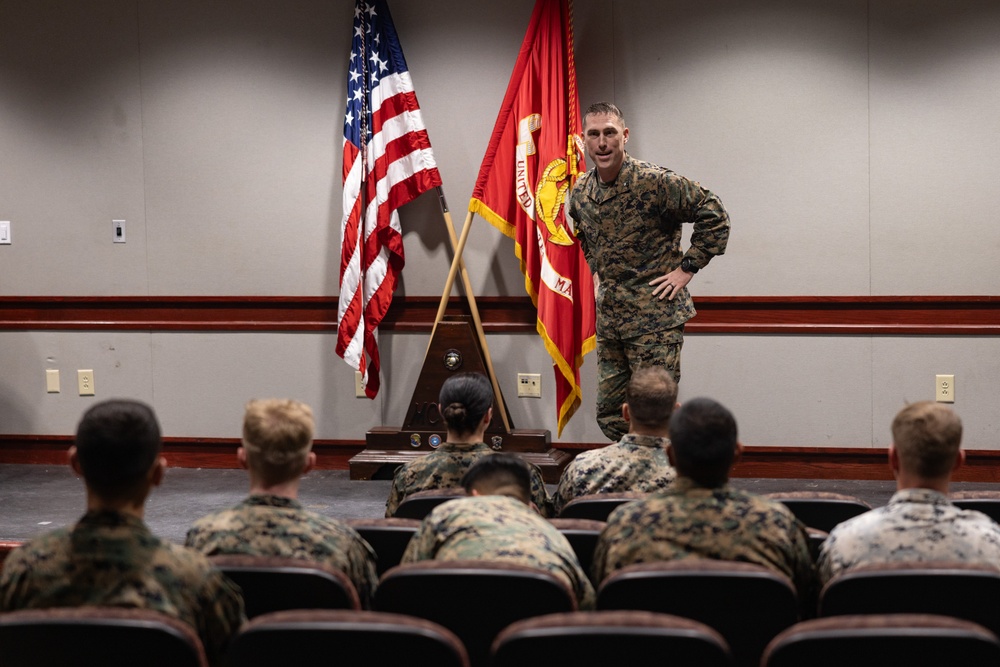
[[861, 463]]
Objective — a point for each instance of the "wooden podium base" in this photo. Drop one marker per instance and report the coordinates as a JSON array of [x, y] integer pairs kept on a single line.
[[453, 348], [387, 448]]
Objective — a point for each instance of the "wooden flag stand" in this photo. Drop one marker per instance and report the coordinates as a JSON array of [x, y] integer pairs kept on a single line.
[[453, 348]]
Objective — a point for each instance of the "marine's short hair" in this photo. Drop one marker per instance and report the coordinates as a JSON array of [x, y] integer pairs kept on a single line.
[[277, 436], [927, 437], [117, 443], [464, 399], [604, 108], [499, 474], [651, 394], [703, 437]]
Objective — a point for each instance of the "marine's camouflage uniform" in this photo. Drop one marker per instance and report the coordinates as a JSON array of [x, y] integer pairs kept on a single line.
[[916, 525], [502, 529], [110, 559], [445, 467], [630, 233], [722, 523], [636, 463], [269, 525]]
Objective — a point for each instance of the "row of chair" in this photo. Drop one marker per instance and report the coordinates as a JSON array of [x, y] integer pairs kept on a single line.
[[746, 604], [816, 509], [118, 637]]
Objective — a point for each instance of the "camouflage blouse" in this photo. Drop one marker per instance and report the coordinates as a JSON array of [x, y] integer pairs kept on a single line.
[[445, 467], [636, 463], [691, 521], [110, 559], [630, 233], [916, 525], [269, 525], [498, 528]]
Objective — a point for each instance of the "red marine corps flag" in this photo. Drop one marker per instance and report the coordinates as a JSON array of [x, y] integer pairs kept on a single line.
[[387, 163], [531, 163]]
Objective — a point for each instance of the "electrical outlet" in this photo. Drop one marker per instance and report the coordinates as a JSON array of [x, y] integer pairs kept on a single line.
[[944, 388], [85, 380], [359, 385], [529, 385], [52, 380]]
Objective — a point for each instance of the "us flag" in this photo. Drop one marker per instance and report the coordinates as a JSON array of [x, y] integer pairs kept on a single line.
[[387, 163]]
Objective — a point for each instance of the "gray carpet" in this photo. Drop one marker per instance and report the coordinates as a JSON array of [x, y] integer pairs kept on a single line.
[[37, 498]]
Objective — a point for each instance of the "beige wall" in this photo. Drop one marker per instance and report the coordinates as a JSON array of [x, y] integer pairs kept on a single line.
[[855, 144]]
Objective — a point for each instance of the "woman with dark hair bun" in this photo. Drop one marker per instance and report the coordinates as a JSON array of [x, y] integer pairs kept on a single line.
[[466, 403], [464, 400]]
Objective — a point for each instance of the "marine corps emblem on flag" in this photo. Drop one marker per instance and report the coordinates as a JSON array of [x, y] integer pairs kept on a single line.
[[530, 165]]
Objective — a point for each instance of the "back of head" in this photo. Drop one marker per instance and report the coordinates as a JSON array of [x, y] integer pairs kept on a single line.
[[277, 436], [499, 475], [464, 400], [651, 395], [703, 438], [927, 436], [117, 443], [605, 108]]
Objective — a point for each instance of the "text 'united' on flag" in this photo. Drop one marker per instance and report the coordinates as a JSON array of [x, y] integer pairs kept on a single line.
[[531, 163]]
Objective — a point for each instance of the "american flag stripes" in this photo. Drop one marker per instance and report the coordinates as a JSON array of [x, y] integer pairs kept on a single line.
[[387, 163]]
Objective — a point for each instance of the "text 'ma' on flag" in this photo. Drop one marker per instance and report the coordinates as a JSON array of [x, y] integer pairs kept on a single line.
[[533, 158]]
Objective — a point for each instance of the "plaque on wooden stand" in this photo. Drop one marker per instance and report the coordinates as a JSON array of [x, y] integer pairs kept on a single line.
[[453, 349]]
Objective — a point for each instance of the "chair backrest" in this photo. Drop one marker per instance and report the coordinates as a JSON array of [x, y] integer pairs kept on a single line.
[[987, 502], [387, 536], [816, 539], [473, 599], [597, 506], [356, 637], [582, 535], [747, 604], [274, 584], [876, 641], [961, 590], [605, 637], [419, 504], [97, 637], [821, 509]]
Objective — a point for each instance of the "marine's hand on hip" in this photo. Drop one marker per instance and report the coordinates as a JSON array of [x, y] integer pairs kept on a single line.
[[670, 284]]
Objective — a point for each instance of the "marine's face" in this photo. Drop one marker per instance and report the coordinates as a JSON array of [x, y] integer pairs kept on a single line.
[[604, 136]]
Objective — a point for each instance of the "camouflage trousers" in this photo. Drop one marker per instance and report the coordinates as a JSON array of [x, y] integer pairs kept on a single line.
[[618, 358]]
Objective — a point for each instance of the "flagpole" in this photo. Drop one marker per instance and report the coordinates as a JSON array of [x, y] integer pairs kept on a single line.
[[470, 295], [457, 262]]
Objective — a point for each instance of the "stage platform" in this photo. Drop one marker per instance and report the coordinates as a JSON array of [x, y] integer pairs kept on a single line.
[[37, 498]]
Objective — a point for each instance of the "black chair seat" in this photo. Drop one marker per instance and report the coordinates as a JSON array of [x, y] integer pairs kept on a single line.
[[960, 590], [747, 604], [473, 599], [598, 639], [418, 505], [915, 640], [821, 510], [345, 637], [275, 584], [97, 637], [582, 535], [597, 506], [387, 536]]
